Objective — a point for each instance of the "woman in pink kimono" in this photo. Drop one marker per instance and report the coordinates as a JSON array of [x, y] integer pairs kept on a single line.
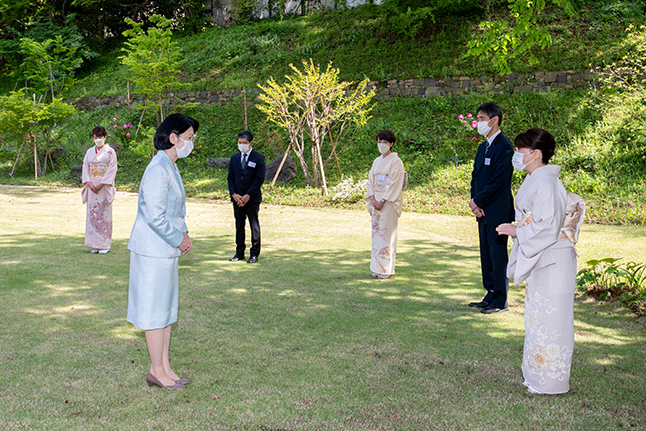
[[385, 197], [543, 255], [99, 170]]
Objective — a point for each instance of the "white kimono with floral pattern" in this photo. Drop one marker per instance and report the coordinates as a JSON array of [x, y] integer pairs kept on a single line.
[[548, 265], [99, 167], [385, 181]]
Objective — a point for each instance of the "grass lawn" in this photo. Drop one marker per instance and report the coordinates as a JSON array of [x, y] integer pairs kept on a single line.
[[303, 340]]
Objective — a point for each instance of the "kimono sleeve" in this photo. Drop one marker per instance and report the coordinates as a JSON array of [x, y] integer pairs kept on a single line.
[[394, 191], [548, 210], [110, 174], [85, 176]]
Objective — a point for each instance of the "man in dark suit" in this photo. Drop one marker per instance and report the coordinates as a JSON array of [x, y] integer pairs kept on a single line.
[[246, 175], [492, 204]]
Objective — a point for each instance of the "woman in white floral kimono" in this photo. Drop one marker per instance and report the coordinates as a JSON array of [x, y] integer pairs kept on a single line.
[[99, 171], [543, 255], [385, 197]]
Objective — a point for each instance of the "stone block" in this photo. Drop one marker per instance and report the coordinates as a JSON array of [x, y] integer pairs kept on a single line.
[[432, 91], [465, 83], [220, 162], [287, 172], [420, 91], [523, 89], [562, 78], [213, 99], [430, 82], [551, 76], [576, 76], [457, 91], [418, 82], [406, 92], [384, 92], [476, 83]]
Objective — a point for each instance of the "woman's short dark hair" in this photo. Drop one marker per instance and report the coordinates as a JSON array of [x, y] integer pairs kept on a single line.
[[246, 134], [174, 123], [537, 139], [492, 110], [386, 135], [99, 131]]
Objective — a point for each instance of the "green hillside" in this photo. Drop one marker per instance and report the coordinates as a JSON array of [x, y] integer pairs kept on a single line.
[[361, 42], [602, 143]]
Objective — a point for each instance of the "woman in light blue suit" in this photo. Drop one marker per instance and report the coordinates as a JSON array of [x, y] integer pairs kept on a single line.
[[158, 238]]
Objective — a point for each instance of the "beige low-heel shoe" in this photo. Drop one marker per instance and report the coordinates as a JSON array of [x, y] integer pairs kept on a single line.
[[152, 380], [183, 381]]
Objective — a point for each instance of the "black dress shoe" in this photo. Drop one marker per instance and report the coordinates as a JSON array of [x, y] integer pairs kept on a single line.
[[481, 304], [493, 309], [236, 258], [253, 259]]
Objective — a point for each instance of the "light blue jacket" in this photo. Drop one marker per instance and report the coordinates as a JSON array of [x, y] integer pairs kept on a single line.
[[161, 212]]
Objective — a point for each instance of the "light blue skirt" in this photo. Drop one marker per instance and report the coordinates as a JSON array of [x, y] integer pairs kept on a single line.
[[153, 293]]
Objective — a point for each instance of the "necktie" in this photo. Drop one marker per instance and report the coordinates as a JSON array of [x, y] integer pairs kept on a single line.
[[487, 147], [244, 161]]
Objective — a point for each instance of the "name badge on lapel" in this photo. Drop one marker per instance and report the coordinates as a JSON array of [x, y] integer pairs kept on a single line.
[[487, 161], [251, 164]]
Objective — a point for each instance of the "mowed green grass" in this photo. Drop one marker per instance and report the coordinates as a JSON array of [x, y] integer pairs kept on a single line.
[[303, 340]]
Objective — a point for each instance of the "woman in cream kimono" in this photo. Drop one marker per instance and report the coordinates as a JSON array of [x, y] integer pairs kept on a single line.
[[99, 170], [385, 196], [543, 255]]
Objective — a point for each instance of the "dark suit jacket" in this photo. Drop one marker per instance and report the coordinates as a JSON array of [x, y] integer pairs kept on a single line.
[[247, 182], [491, 183]]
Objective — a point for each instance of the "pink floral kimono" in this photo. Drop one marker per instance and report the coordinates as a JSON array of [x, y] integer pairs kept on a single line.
[[99, 167]]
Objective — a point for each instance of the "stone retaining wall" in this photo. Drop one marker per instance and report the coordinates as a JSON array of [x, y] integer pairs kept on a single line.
[[513, 83]]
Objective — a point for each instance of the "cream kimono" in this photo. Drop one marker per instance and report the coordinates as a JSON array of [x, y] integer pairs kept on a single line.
[[385, 181], [99, 167], [544, 257]]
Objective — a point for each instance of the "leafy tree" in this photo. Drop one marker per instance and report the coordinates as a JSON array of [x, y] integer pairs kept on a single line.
[[501, 41], [26, 121], [315, 105], [47, 65], [154, 61]]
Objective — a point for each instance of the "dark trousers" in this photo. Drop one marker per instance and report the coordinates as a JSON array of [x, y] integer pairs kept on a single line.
[[249, 211], [493, 260]]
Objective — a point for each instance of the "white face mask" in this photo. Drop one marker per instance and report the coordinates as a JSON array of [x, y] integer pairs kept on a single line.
[[244, 148], [185, 150], [517, 160], [383, 148], [484, 128], [99, 142]]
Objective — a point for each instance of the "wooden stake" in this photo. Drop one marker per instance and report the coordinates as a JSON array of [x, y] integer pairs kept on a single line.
[[271, 187], [17, 157], [244, 97]]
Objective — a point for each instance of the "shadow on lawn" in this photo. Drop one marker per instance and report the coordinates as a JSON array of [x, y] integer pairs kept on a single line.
[[302, 297]]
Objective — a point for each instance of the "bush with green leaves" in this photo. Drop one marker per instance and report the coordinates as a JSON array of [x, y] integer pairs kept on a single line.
[[607, 279]]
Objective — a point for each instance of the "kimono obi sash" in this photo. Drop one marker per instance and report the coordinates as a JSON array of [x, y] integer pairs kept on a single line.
[[382, 182], [98, 169], [574, 216]]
